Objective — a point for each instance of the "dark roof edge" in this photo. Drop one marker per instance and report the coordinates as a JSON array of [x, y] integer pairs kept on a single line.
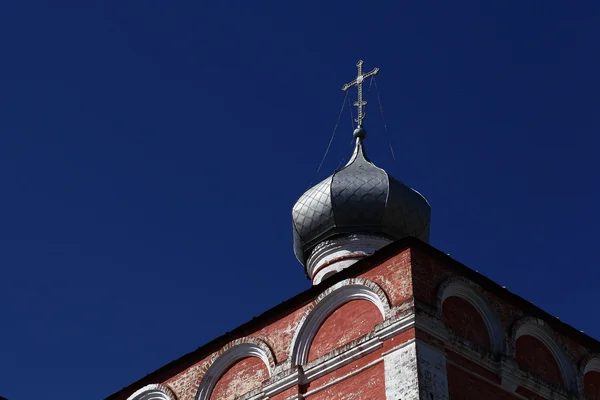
[[528, 307], [181, 364]]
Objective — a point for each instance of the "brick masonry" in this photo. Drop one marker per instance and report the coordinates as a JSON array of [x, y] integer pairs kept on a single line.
[[421, 348]]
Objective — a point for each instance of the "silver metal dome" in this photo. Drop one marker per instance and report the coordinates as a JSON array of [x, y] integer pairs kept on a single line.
[[359, 198]]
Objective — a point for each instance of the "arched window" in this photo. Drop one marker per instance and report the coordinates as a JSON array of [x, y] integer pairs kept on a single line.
[[533, 356], [462, 307], [239, 368], [327, 303], [153, 392], [538, 352], [350, 321], [591, 377], [465, 321]]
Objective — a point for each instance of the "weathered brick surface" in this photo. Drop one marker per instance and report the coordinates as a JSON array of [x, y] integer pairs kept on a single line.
[[429, 273], [287, 393], [405, 277], [362, 362], [465, 321], [279, 334], [592, 385], [242, 377], [394, 276], [351, 321], [369, 384], [186, 383]]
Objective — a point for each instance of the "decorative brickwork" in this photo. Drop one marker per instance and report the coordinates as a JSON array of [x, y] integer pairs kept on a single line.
[[460, 287], [545, 356], [408, 323], [351, 321], [242, 377], [534, 357], [239, 357], [464, 320], [325, 304], [366, 385]]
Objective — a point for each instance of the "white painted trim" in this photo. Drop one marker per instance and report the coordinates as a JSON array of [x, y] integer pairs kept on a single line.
[[389, 329], [282, 383], [229, 355], [347, 249], [507, 368], [592, 364], [344, 377], [155, 391], [538, 329], [323, 368], [471, 292], [327, 302]]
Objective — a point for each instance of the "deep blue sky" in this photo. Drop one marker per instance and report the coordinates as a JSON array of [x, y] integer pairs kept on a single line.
[[151, 152]]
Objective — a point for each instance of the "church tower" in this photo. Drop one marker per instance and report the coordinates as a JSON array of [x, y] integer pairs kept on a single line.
[[356, 211], [388, 315]]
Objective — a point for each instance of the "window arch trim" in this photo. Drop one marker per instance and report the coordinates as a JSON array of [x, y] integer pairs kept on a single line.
[[324, 305], [233, 352], [471, 292]]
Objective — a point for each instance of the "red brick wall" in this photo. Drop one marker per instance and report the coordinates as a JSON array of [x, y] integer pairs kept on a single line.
[[411, 272], [351, 321], [534, 357], [463, 385], [242, 377], [394, 277], [591, 384], [369, 384], [465, 321]]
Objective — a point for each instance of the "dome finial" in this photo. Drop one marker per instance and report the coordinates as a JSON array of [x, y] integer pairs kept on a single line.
[[358, 82], [360, 133]]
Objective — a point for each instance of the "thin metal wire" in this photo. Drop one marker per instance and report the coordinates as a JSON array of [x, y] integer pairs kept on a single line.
[[351, 118], [331, 139], [351, 114], [369, 92], [383, 119]]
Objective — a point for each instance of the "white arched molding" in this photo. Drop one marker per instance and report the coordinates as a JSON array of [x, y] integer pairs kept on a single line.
[[537, 328], [471, 292], [233, 352], [324, 305], [590, 363], [153, 392]]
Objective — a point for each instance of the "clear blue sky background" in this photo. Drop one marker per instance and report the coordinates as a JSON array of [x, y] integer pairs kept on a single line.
[[151, 152]]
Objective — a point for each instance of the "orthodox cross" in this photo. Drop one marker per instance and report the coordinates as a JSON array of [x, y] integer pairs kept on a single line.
[[358, 83]]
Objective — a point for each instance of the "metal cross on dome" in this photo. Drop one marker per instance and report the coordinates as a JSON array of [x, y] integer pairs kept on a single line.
[[360, 78]]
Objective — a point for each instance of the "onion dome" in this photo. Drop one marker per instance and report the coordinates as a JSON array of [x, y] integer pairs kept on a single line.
[[360, 198]]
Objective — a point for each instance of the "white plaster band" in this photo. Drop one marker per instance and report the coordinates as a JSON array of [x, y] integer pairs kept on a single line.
[[340, 252]]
